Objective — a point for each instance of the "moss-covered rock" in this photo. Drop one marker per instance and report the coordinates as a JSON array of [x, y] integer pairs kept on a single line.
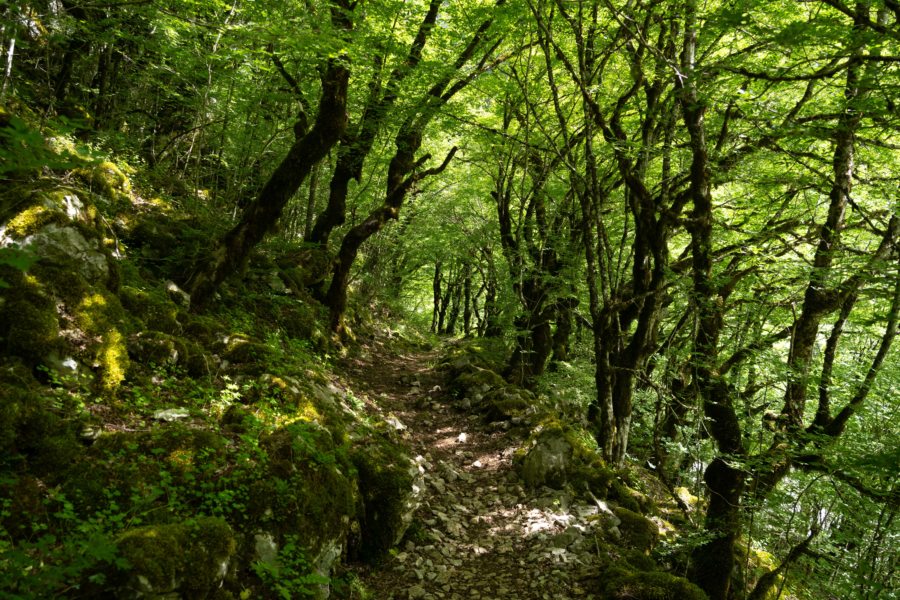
[[508, 403], [156, 348], [630, 498], [390, 483], [243, 350], [153, 308], [306, 490], [637, 531], [106, 179], [189, 560], [623, 584], [36, 426], [138, 467], [474, 380], [33, 332], [558, 454]]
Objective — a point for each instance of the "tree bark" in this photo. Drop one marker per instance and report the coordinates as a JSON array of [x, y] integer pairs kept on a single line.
[[231, 251]]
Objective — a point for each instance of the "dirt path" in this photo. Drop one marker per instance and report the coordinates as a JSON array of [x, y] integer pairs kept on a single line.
[[478, 533]]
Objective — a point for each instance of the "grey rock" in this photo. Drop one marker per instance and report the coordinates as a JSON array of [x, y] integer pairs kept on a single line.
[[177, 295], [171, 414], [547, 462], [66, 242]]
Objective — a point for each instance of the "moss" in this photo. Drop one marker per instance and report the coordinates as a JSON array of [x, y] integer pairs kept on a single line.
[[476, 381], [638, 560], [622, 584], [34, 331], [585, 469], [32, 219], [107, 179], [155, 310], [385, 482], [305, 490], [630, 498], [100, 316], [638, 532], [202, 328], [190, 558], [242, 350], [134, 467], [504, 404]]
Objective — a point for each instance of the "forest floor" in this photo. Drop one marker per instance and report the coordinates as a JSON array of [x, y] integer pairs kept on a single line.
[[478, 532]]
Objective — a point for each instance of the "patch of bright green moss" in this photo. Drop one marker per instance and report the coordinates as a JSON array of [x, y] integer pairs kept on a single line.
[[100, 316], [107, 179], [32, 219]]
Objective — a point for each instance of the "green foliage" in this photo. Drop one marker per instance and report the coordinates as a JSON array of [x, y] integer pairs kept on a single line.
[[292, 575], [24, 149], [20, 260]]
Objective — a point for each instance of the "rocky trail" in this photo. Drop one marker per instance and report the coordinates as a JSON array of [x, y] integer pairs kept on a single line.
[[478, 532]]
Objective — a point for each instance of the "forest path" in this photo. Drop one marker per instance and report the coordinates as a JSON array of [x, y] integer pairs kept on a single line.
[[478, 533]]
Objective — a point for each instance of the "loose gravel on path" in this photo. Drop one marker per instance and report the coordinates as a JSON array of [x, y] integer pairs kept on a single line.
[[478, 533]]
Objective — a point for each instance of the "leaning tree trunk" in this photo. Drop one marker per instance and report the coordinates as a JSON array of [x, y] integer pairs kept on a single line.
[[231, 251], [399, 182]]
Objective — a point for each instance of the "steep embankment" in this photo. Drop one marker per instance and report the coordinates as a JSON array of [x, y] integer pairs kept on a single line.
[[480, 531]]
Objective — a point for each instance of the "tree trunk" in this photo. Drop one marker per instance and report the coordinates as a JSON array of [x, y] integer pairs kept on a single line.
[[229, 253], [355, 148], [467, 301], [311, 200], [564, 327], [399, 183], [436, 291]]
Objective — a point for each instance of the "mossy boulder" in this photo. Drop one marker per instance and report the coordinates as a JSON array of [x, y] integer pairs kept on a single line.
[[508, 403], [622, 584], [152, 308], [474, 381], [547, 461], [390, 483], [307, 488], [637, 531], [558, 454], [188, 560], [243, 350], [630, 498], [156, 348], [106, 179], [33, 331], [307, 401], [58, 227], [138, 467], [54, 311]]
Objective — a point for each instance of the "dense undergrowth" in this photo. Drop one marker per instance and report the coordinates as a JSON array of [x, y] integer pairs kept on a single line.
[[148, 450]]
